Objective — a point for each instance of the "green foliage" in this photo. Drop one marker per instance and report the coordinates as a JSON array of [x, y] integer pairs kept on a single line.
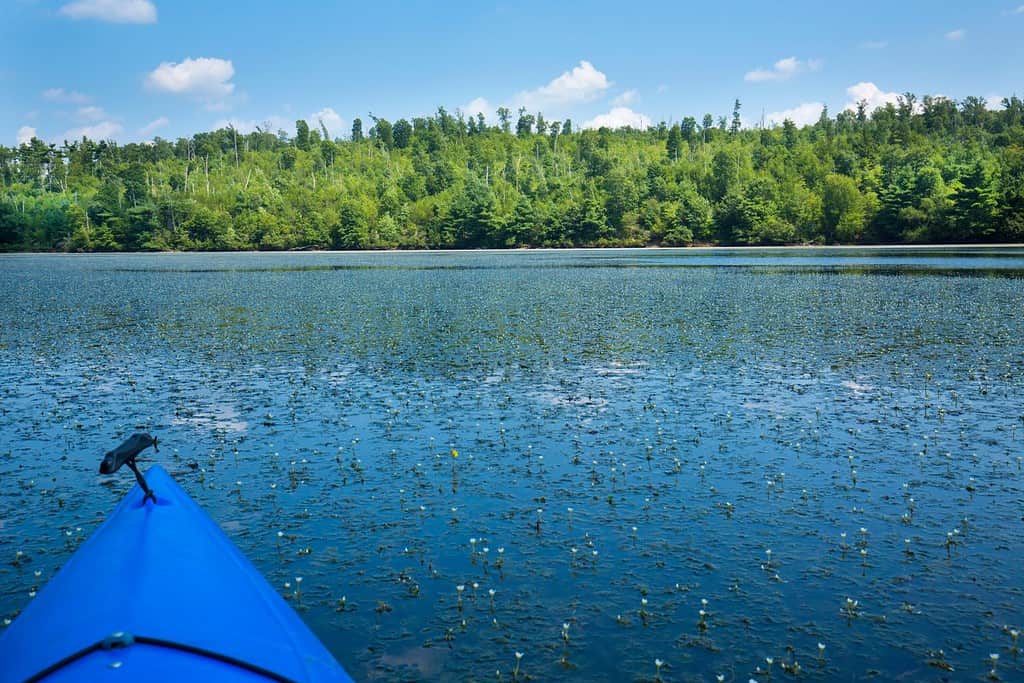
[[938, 171]]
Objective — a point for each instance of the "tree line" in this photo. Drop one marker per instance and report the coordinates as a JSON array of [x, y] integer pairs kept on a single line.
[[914, 171]]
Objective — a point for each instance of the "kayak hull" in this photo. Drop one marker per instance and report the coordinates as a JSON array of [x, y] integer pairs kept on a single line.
[[184, 601]]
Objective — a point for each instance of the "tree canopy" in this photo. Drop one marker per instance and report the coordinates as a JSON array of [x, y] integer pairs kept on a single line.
[[917, 171]]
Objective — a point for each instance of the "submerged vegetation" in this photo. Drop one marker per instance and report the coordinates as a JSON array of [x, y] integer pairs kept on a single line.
[[933, 170]]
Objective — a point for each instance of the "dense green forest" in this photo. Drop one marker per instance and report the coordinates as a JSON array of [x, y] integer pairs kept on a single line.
[[933, 170]]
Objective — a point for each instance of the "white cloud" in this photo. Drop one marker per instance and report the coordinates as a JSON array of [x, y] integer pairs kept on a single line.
[[874, 44], [994, 102], [875, 97], [662, 88], [958, 34], [65, 96], [330, 118], [91, 113], [1019, 10], [782, 70], [802, 115], [583, 83], [206, 77], [116, 11], [478, 106], [624, 98], [104, 130], [153, 125], [271, 124], [619, 117], [25, 134]]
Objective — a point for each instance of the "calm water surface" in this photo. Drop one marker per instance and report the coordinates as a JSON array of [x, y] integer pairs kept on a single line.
[[631, 426]]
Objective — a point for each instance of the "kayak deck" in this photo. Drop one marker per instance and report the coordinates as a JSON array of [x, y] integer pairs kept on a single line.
[[182, 599]]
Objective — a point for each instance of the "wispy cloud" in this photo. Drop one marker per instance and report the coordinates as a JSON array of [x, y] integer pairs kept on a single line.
[[65, 96], [153, 126], [114, 11], [25, 134], [782, 70], [619, 117], [91, 113], [955, 35], [624, 98], [802, 114], [104, 130], [874, 45]]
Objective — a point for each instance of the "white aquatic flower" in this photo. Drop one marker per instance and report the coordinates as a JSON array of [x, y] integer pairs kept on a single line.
[[280, 534], [490, 591], [298, 579], [643, 601], [994, 657], [31, 594], [769, 660], [519, 655], [37, 573], [821, 647], [7, 621], [460, 588], [720, 678]]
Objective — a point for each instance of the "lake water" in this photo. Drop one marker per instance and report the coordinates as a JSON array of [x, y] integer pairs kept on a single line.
[[631, 425]]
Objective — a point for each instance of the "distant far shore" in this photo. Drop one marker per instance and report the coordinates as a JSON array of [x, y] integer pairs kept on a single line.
[[700, 247]]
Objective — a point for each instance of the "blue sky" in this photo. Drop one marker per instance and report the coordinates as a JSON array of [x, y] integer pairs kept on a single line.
[[133, 69]]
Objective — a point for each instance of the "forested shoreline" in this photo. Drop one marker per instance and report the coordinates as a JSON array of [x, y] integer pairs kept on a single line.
[[917, 171]]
